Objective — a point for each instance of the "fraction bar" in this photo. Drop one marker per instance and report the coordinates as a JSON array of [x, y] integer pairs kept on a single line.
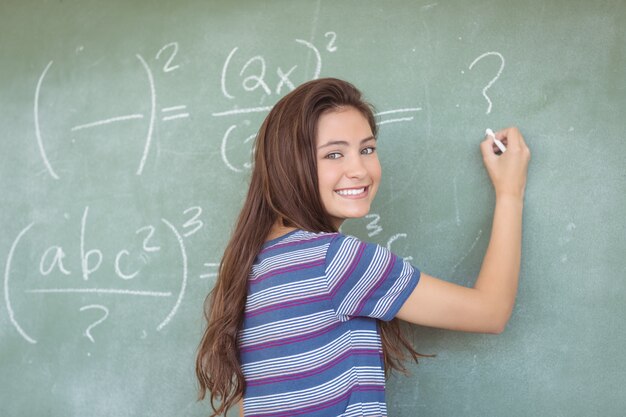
[[241, 111], [107, 121], [100, 291]]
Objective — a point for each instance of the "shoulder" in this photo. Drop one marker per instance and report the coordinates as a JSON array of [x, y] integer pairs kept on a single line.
[[330, 245], [297, 240], [341, 244]]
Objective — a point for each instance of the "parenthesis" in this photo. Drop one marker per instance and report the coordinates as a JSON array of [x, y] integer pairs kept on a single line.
[[223, 150], [42, 150], [224, 69], [318, 67], [152, 114], [184, 283], [7, 298]]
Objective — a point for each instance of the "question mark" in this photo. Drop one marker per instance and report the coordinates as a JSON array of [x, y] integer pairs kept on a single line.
[[95, 323], [493, 80]]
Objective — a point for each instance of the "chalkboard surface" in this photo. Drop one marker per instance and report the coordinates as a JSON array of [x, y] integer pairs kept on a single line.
[[125, 138]]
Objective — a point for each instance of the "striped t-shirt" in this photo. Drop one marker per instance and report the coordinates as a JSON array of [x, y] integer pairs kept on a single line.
[[309, 344]]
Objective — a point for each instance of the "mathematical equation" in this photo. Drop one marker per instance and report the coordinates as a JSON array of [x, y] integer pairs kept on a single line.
[[53, 263], [53, 266], [244, 75], [246, 72]]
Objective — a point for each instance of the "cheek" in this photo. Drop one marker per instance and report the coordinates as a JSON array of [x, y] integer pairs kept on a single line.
[[328, 176], [324, 180], [376, 171]]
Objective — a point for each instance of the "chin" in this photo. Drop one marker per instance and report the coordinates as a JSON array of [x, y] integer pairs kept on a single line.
[[356, 215]]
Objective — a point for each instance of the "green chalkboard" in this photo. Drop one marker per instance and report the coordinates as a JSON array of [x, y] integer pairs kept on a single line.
[[125, 138]]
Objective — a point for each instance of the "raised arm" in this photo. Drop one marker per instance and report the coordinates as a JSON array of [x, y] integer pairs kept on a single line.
[[487, 306]]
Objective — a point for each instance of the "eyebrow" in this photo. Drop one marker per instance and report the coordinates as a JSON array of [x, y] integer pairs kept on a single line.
[[344, 143]]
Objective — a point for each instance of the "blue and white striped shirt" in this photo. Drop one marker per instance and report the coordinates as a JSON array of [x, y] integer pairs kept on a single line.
[[310, 344]]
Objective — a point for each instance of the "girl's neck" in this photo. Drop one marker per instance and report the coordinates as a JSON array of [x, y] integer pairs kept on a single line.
[[278, 230]]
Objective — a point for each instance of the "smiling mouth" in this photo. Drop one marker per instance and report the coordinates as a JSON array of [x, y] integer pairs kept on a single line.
[[353, 192]]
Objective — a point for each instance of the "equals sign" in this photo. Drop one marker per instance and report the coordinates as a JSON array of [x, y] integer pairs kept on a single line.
[[210, 274], [168, 110]]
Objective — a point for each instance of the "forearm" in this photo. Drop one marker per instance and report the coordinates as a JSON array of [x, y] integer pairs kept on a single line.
[[499, 274]]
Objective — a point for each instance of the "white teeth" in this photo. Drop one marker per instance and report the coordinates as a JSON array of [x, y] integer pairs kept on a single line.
[[351, 192]]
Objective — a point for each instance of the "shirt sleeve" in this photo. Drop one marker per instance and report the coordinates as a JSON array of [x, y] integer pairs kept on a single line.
[[365, 279]]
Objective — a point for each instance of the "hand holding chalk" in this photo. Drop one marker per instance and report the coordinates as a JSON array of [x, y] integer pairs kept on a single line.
[[507, 171], [499, 144]]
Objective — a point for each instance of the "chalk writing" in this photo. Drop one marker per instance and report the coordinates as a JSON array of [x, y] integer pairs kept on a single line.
[[480, 232], [146, 148], [210, 265], [194, 224], [59, 255], [167, 67], [253, 77], [147, 247], [331, 47], [493, 80], [223, 148], [393, 239], [7, 297], [42, 150], [118, 270], [169, 116], [253, 72], [169, 113], [84, 256], [87, 332], [244, 74], [284, 79], [107, 121], [183, 285], [373, 227], [53, 259], [399, 119]]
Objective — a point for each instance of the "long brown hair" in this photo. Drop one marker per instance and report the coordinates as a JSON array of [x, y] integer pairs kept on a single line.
[[283, 188]]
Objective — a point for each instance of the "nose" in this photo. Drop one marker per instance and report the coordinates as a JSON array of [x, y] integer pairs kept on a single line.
[[355, 167]]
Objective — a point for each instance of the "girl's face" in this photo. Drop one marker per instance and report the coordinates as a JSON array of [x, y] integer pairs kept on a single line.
[[348, 170]]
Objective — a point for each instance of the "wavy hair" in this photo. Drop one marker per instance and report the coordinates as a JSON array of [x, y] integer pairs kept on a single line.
[[283, 188]]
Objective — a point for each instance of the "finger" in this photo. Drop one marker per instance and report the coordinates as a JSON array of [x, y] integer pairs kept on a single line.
[[496, 149], [512, 135], [488, 148]]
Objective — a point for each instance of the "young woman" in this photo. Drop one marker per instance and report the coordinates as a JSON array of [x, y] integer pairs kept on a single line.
[[303, 320]]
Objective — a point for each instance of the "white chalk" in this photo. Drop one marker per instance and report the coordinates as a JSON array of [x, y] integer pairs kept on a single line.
[[499, 144]]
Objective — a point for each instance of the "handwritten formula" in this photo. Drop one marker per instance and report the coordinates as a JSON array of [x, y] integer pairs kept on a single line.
[[247, 85]]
